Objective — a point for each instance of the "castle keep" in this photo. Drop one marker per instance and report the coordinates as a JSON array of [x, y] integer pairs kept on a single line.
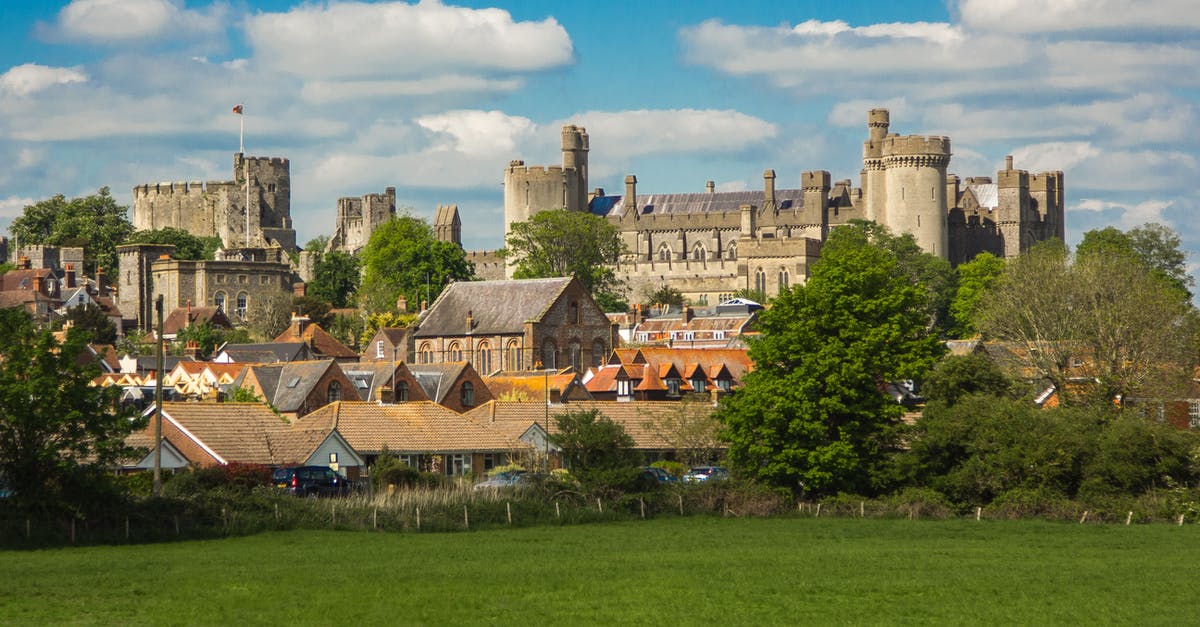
[[710, 244], [219, 208]]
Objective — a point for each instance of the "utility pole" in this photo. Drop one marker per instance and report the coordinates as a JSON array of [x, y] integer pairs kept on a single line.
[[158, 398]]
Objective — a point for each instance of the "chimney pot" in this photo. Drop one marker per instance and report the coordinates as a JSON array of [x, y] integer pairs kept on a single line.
[[1008, 162]]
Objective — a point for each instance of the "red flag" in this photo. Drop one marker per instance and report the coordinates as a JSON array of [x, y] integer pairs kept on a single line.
[[237, 109]]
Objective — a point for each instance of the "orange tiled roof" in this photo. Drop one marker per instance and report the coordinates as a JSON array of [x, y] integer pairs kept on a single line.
[[322, 342], [414, 427], [638, 418]]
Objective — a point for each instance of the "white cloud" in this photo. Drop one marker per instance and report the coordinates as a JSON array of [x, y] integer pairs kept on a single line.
[[665, 131], [354, 40], [479, 132], [117, 21], [335, 91], [31, 78], [12, 206], [1039, 16], [1128, 215]]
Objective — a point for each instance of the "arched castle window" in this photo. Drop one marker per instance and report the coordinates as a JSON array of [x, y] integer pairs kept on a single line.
[[732, 252], [598, 353], [512, 357], [484, 360], [243, 301], [454, 352], [425, 353], [219, 300], [333, 392], [698, 253], [783, 279], [760, 281], [664, 252], [575, 352], [549, 354]]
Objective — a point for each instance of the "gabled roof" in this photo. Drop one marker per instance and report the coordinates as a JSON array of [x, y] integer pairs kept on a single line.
[[294, 381], [184, 317], [417, 427], [323, 344], [532, 385], [265, 353], [638, 418], [496, 307], [231, 432], [437, 379], [736, 360]]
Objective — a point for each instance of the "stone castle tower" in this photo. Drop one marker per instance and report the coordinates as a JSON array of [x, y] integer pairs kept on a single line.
[[530, 189], [357, 218], [219, 208]]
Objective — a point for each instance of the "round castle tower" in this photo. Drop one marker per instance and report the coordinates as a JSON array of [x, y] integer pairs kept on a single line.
[[905, 180]]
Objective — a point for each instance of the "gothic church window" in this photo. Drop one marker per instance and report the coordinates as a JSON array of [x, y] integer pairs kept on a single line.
[[485, 358], [732, 253], [760, 281], [512, 360], [549, 354], [425, 354], [455, 352], [783, 279], [698, 253], [664, 253], [243, 301]]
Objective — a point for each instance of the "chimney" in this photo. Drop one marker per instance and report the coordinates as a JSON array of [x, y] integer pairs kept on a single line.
[[23, 263], [769, 190], [1008, 162], [710, 187], [687, 314], [299, 323], [300, 288], [470, 321], [631, 195], [402, 304], [192, 349], [424, 306], [99, 280], [37, 283], [69, 276]]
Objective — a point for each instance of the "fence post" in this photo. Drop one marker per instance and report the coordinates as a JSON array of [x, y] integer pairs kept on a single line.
[[277, 511], [680, 504], [1181, 520], [978, 512], [176, 517], [126, 527], [1083, 519], [418, 518], [818, 514], [599, 505], [643, 504], [862, 510], [466, 519], [375, 518], [557, 513], [1129, 518], [508, 511], [224, 521], [332, 514]]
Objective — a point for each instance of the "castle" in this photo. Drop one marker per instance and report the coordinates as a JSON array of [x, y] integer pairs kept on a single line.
[[225, 209], [711, 244]]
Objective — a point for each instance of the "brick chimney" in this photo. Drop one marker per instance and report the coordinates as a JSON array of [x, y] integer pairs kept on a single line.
[[192, 349], [99, 280], [300, 288], [37, 283], [69, 275], [402, 304], [299, 323], [687, 314]]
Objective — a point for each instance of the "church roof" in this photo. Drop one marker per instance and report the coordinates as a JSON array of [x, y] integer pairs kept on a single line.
[[496, 307], [700, 202]]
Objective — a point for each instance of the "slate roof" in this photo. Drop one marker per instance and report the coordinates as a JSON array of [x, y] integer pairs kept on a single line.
[[986, 194], [293, 381], [266, 353], [497, 307], [416, 427], [437, 379], [700, 202]]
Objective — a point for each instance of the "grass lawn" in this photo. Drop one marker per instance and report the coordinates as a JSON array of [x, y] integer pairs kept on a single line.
[[667, 571]]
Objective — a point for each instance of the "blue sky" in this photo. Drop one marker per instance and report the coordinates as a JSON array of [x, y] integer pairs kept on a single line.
[[436, 98]]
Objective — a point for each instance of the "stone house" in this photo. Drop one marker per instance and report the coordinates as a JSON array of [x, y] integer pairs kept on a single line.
[[514, 325]]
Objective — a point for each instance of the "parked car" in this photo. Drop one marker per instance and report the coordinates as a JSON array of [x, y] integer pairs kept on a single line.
[[659, 475], [706, 473], [506, 479], [311, 481]]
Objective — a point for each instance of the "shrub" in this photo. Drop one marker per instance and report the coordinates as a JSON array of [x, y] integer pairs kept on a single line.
[[677, 469], [1032, 502], [920, 503], [505, 468], [246, 476]]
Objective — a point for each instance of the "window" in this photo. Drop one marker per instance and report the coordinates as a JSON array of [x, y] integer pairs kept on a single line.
[[425, 354], [270, 188], [549, 352], [643, 336], [242, 279], [242, 303], [264, 279], [575, 352], [574, 314], [333, 392], [664, 253], [457, 464], [783, 279], [732, 252], [484, 360], [673, 386], [624, 390], [401, 392], [698, 253], [455, 351], [512, 360], [220, 278], [698, 384], [467, 393], [760, 281], [219, 300], [379, 349], [1194, 413], [724, 384]]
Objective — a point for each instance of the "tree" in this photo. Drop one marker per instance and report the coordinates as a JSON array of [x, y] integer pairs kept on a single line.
[[595, 448], [975, 278], [92, 320], [187, 246], [335, 279], [1100, 328], [664, 295], [239, 394], [932, 273], [691, 429], [317, 310], [271, 316], [958, 376], [570, 243], [812, 415], [403, 258], [1156, 246], [55, 426], [96, 222]]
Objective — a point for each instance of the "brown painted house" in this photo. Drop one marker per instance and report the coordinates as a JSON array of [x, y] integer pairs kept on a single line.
[[514, 325], [385, 382], [388, 344]]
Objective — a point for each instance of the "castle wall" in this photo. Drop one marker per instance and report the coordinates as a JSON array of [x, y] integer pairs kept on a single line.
[[915, 179]]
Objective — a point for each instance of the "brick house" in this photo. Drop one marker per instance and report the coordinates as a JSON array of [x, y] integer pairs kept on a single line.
[[452, 385], [299, 387]]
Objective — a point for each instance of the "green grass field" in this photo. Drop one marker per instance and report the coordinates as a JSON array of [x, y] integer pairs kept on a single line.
[[696, 570]]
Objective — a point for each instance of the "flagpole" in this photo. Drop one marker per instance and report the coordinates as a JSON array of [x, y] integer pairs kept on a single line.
[[242, 133]]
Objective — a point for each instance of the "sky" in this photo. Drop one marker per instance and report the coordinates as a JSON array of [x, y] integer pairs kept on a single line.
[[435, 98]]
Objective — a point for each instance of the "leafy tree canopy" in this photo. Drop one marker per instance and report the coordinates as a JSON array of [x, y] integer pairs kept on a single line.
[[570, 243], [664, 295], [91, 319], [813, 415], [187, 246], [595, 448], [932, 273], [208, 338], [404, 258], [955, 377], [1154, 245], [96, 222], [975, 278], [335, 279], [55, 427]]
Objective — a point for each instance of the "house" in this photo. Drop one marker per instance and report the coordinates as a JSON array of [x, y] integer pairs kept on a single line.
[[216, 434], [388, 344], [37, 290], [634, 382], [200, 380], [664, 373], [710, 327], [453, 385], [385, 382], [75, 293], [559, 387], [319, 341], [422, 434], [184, 317], [267, 353], [514, 325], [299, 387]]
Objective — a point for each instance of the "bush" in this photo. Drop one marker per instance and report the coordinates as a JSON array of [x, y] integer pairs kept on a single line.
[[677, 469], [505, 468], [1032, 503], [247, 476], [920, 503]]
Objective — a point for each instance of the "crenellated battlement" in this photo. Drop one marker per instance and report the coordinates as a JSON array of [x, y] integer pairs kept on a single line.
[[534, 171], [902, 145], [273, 162], [180, 187], [815, 180]]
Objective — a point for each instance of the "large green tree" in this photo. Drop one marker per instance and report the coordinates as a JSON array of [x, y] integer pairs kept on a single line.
[[975, 278], [1100, 327], [187, 246], [570, 243], [91, 319], [813, 415], [96, 222], [335, 279], [55, 427], [1156, 246], [404, 258]]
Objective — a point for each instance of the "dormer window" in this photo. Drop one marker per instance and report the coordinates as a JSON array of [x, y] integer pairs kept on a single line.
[[673, 386], [698, 385], [624, 390], [468, 394]]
